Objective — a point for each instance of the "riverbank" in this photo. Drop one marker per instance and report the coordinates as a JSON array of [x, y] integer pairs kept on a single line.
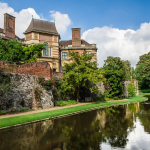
[[35, 117]]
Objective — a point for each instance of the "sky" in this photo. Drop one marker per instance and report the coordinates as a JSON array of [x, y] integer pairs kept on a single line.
[[119, 28]]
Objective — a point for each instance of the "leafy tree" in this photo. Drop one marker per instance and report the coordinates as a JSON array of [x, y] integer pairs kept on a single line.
[[127, 69], [142, 71], [79, 72], [131, 89], [114, 74], [13, 51]]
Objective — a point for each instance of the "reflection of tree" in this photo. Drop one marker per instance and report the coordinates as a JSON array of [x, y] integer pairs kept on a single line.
[[117, 126], [85, 140], [144, 116]]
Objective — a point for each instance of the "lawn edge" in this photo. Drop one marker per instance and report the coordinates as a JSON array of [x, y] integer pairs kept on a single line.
[[68, 114]]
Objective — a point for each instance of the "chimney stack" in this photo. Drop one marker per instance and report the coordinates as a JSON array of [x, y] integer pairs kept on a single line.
[[9, 26], [76, 37]]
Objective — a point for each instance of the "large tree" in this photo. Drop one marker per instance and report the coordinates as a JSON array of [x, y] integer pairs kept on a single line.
[[142, 71], [79, 72], [13, 51], [114, 74]]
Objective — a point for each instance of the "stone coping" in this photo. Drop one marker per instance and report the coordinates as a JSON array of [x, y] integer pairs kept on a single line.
[[65, 115]]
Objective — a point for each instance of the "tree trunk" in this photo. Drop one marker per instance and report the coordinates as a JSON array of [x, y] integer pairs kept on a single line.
[[78, 94]]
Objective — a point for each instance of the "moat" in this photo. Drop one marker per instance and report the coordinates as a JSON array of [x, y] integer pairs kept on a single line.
[[119, 127]]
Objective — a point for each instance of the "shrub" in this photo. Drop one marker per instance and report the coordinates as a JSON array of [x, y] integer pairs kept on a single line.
[[65, 103], [24, 109], [2, 112], [131, 89], [99, 98]]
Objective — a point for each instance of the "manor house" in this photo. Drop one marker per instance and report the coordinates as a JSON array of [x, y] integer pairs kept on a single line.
[[45, 32]]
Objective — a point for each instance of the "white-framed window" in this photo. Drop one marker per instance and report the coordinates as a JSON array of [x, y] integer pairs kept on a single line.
[[88, 52], [45, 51], [64, 55]]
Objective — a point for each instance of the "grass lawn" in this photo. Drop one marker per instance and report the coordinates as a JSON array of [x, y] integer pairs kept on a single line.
[[32, 117]]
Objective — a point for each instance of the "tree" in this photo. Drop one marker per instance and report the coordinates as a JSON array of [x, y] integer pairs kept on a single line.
[[114, 74], [131, 89], [13, 51], [142, 71], [81, 70]]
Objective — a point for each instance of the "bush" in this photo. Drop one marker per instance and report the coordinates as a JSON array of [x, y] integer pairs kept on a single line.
[[99, 98], [131, 89], [24, 109], [2, 112], [65, 103]]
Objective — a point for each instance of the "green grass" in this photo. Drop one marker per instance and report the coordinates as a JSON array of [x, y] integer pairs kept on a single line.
[[65, 103], [32, 117]]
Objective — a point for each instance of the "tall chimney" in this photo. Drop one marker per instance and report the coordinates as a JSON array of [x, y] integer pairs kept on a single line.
[[76, 37], [9, 26]]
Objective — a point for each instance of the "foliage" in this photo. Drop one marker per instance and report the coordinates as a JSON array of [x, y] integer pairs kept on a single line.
[[24, 109], [99, 98], [114, 75], [81, 70], [5, 84], [2, 112], [37, 93], [131, 89], [65, 103], [12, 50]]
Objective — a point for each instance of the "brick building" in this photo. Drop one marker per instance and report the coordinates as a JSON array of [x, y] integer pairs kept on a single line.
[[44, 32], [8, 32], [76, 44]]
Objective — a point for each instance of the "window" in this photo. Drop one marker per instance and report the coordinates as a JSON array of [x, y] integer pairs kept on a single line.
[[64, 55], [45, 51], [88, 52]]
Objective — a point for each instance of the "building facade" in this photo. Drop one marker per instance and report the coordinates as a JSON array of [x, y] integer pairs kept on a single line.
[[44, 32], [76, 44]]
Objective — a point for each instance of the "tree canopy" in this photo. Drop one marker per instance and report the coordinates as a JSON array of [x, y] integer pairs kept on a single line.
[[81, 70], [13, 51], [114, 74], [142, 71]]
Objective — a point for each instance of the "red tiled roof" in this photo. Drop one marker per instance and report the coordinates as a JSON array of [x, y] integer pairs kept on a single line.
[[1, 30], [69, 42], [41, 26]]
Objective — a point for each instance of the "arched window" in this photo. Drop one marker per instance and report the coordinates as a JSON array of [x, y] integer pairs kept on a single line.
[[45, 51]]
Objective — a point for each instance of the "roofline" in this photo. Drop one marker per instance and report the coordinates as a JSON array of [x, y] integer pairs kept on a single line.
[[41, 32], [9, 15], [75, 28], [43, 20]]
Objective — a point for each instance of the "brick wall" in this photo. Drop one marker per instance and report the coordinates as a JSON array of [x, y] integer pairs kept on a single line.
[[9, 26], [35, 36], [45, 37], [32, 68], [76, 37], [28, 36]]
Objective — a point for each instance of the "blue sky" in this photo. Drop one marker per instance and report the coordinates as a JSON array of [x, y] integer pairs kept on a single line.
[[114, 25]]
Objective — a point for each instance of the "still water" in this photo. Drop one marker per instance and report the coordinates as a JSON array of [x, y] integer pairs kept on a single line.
[[120, 127]]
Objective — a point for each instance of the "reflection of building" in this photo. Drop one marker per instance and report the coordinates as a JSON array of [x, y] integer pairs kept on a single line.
[[76, 44], [44, 32]]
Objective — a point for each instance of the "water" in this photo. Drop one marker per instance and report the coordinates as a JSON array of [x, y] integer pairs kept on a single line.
[[114, 128]]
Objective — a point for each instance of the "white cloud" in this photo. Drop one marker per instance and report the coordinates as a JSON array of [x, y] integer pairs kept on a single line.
[[62, 21], [126, 44], [23, 18]]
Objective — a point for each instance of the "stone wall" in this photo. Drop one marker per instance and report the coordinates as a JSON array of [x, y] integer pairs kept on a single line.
[[22, 95], [32, 68]]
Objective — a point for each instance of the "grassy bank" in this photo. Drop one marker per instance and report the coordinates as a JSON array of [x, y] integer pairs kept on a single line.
[[36, 116]]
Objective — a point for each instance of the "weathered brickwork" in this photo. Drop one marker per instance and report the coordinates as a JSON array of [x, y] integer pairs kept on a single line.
[[9, 26], [36, 36], [46, 37], [32, 68], [76, 37], [28, 36]]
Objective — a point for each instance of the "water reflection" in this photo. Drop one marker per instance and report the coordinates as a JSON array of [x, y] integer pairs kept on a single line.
[[120, 127]]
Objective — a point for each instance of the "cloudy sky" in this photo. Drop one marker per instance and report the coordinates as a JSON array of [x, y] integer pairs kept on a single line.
[[120, 28]]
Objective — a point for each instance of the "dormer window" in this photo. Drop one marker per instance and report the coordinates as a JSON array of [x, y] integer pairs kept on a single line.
[[45, 51]]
